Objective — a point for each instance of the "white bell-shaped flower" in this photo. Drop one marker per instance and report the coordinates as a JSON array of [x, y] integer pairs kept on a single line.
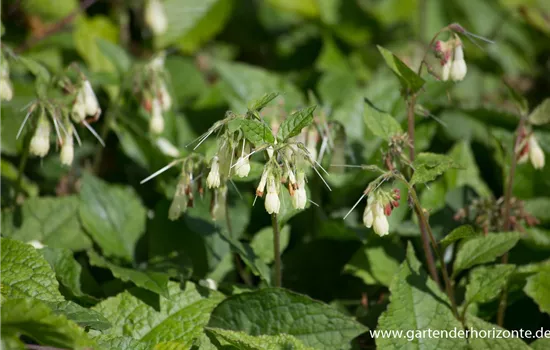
[[368, 215], [299, 199], [67, 149], [167, 148], [79, 107], [213, 178], [242, 166], [272, 202], [90, 100], [536, 154], [165, 98], [155, 17], [458, 69], [40, 142], [36, 244], [261, 186], [446, 70], [6, 90], [381, 226], [156, 123]]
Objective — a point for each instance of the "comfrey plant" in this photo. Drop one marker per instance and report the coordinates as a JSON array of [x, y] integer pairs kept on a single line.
[[287, 162]]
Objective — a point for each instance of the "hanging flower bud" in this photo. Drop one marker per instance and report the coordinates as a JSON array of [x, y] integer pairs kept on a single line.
[[179, 203], [167, 148], [272, 202], [375, 215], [270, 151], [40, 142], [79, 107], [213, 179], [242, 167], [155, 17], [165, 98], [299, 199], [261, 185], [368, 215], [92, 106], [458, 69], [36, 244], [156, 123], [67, 149], [536, 155], [446, 70], [381, 226], [6, 90]]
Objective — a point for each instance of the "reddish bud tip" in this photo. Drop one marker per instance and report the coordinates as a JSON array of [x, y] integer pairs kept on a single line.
[[395, 204], [387, 209]]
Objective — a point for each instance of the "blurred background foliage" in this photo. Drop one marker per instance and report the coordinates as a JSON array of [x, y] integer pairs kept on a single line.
[[222, 54]]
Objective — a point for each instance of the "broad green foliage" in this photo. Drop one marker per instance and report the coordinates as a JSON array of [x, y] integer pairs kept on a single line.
[[294, 124], [257, 132], [428, 166], [409, 79], [538, 288], [273, 311], [417, 304], [491, 343], [486, 282], [112, 215], [457, 234], [381, 123], [66, 268], [243, 341], [541, 114]]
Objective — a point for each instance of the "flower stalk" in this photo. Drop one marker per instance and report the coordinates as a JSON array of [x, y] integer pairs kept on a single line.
[[277, 250]]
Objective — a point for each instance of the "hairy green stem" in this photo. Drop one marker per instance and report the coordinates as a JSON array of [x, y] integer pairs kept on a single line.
[[276, 250], [23, 162]]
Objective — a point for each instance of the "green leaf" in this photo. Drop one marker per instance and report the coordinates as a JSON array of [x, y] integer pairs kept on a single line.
[[294, 123], [84, 317], [53, 222], [66, 268], [409, 79], [539, 208], [381, 124], [178, 319], [541, 114], [315, 324], [540, 344], [257, 132], [484, 249], [243, 341], [428, 166], [417, 304], [309, 8], [25, 273], [262, 243], [468, 173], [120, 343], [154, 281], [258, 104], [37, 69], [34, 319], [86, 36], [538, 288], [113, 215], [486, 283], [488, 342], [115, 54], [376, 262], [461, 232]]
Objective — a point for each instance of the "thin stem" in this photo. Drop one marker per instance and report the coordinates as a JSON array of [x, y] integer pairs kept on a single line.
[[507, 207], [238, 264], [445, 274], [23, 162], [276, 250]]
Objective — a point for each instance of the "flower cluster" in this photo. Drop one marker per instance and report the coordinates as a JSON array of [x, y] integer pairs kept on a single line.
[[451, 55], [529, 148], [6, 90], [155, 17], [379, 206], [152, 92]]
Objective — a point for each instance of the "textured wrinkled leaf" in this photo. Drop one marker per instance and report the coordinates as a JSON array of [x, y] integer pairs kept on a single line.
[[409, 79], [262, 243], [295, 122], [381, 124], [541, 114], [488, 342], [53, 222], [428, 166], [272, 311], [120, 343], [486, 282], [154, 281], [34, 319], [263, 101], [179, 319], [540, 344], [25, 273], [257, 132], [116, 54], [113, 215], [484, 249], [461, 232], [243, 341], [84, 317], [417, 304], [66, 268], [538, 288]]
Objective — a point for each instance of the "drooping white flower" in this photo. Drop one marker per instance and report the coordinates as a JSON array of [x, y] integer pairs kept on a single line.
[[155, 17], [368, 215], [536, 154], [381, 226], [242, 167], [211, 284], [67, 149], [270, 151], [165, 98], [299, 199], [458, 69], [261, 185], [6, 90], [40, 142], [375, 217], [446, 70], [167, 148], [90, 100], [79, 107], [36, 244], [213, 179], [156, 123], [272, 202]]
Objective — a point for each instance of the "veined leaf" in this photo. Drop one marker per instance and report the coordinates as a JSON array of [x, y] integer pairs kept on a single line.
[[66, 268], [538, 288], [461, 232], [428, 166], [257, 132], [409, 79], [272, 311], [484, 249], [258, 104], [295, 122], [381, 124], [541, 114], [486, 282], [243, 341], [491, 343]]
